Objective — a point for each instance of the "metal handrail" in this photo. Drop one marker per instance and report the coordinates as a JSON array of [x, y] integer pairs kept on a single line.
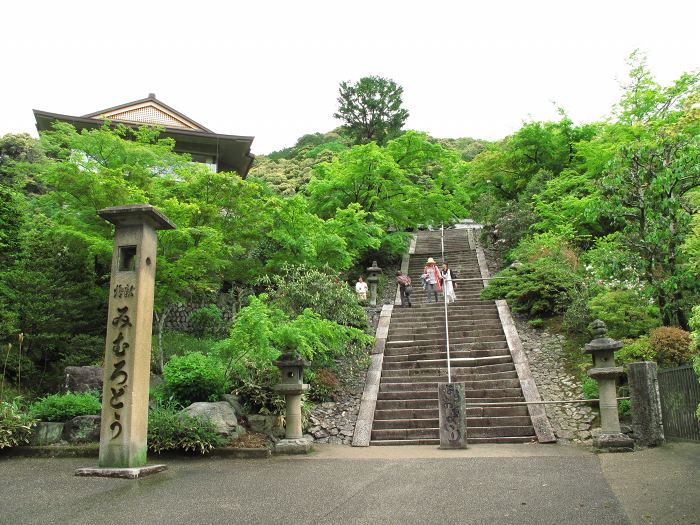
[[444, 297]]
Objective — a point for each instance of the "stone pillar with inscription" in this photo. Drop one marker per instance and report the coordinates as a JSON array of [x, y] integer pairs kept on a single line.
[[452, 414], [128, 344]]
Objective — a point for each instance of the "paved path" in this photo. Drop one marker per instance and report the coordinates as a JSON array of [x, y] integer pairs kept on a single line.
[[485, 484]]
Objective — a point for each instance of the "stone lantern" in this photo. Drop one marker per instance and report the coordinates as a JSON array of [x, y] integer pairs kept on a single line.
[[373, 280], [292, 386], [604, 371]]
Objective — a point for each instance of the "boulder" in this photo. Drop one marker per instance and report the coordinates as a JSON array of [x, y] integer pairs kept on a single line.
[[221, 414], [234, 401], [267, 424], [83, 378], [82, 429], [46, 433]]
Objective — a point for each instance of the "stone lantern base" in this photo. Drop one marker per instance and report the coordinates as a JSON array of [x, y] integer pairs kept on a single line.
[[293, 446], [613, 442]]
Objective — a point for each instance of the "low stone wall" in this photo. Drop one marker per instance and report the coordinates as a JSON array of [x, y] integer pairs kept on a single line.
[[571, 422], [179, 315]]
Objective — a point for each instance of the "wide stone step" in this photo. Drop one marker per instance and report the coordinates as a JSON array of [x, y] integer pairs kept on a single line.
[[470, 386], [463, 370], [472, 422], [433, 413], [477, 349], [458, 377], [439, 329], [472, 432], [395, 355], [468, 319], [470, 440], [393, 404], [459, 335], [434, 363]]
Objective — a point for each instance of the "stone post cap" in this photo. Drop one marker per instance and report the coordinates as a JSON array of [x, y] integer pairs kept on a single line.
[[601, 341], [374, 268], [134, 214]]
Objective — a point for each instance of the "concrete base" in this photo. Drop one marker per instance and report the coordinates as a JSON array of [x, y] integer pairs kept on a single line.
[[614, 442], [293, 446], [127, 473]]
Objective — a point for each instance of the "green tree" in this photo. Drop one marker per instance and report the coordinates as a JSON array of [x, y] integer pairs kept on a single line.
[[652, 154], [371, 109]]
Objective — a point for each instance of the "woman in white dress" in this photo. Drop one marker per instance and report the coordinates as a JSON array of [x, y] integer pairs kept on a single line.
[[449, 287]]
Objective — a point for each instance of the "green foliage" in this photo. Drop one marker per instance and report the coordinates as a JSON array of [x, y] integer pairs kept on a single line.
[[298, 288], [624, 408], [626, 313], [323, 385], [371, 109], [194, 377], [181, 343], [578, 315], [590, 388], [536, 322], [696, 367], [62, 407], [15, 424], [671, 346], [544, 287], [256, 387], [170, 429], [262, 332], [636, 350], [207, 321]]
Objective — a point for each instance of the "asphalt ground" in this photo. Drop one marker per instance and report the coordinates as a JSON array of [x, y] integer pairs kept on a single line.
[[496, 485]]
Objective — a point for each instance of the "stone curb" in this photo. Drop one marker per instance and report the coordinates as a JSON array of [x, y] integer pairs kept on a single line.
[[92, 451], [540, 422], [365, 416]]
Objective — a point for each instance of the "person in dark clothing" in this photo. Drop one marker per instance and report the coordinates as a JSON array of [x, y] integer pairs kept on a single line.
[[405, 289]]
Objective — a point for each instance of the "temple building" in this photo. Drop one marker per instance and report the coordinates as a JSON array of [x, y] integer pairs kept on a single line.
[[220, 152]]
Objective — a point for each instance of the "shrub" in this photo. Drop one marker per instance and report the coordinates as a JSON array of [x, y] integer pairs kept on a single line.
[[590, 388], [625, 312], [536, 323], [299, 288], [255, 387], [15, 424], [324, 385], [636, 350], [169, 429], [578, 315], [181, 343], [194, 377], [207, 321], [624, 407], [671, 345], [543, 287], [62, 407]]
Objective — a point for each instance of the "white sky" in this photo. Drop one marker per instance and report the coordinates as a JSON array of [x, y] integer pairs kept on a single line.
[[272, 68]]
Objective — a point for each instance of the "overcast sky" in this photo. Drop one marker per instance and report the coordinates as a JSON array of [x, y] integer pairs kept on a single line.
[[272, 68]]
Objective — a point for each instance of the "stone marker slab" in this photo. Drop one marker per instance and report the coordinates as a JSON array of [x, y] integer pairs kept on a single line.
[[453, 426], [645, 403]]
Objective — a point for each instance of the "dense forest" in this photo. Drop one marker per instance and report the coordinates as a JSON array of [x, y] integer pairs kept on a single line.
[[591, 220]]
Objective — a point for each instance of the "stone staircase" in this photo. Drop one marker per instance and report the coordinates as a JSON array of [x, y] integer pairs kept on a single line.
[[415, 358]]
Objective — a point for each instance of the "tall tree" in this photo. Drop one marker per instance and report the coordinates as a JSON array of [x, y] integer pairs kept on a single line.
[[651, 175], [371, 109]]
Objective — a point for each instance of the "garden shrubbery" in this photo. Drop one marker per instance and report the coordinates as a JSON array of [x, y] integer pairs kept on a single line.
[[671, 346], [62, 407], [194, 377], [543, 287], [15, 424], [207, 321], [625, 312], [170, 429]]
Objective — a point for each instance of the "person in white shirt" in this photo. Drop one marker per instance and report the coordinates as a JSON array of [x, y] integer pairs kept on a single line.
[[361, 289]]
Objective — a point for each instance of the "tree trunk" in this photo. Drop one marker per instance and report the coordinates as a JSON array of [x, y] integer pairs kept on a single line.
[[160, 319]]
